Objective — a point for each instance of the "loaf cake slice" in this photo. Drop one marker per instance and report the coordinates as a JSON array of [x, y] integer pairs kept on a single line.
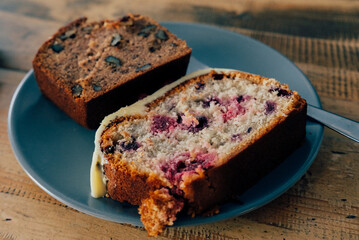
[[90, 70], [196, 143]]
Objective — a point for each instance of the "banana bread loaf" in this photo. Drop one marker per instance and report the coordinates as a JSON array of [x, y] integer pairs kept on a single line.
[[196, 143], [90, 70]]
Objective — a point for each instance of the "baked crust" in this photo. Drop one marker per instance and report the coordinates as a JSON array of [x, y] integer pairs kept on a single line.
[[91, 109], [159, 210], [125, 184]]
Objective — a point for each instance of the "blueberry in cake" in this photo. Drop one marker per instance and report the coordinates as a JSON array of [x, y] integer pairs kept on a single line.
[[90, 70], [196, 143]]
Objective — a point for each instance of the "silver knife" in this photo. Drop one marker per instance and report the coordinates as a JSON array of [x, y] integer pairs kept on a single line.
[[342, 125]]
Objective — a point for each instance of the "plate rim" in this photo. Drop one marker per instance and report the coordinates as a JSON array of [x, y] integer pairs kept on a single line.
[[75, 204]]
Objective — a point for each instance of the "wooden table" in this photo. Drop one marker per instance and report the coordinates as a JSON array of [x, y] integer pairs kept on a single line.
[[321, 38]]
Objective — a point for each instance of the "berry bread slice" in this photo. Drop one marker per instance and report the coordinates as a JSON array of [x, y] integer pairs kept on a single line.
[[196, 143], [90, 70]]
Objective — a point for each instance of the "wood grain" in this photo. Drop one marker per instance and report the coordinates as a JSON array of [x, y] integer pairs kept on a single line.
[[321, 38], [23, 38]]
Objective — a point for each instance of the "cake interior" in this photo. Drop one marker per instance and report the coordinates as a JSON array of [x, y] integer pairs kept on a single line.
[[197, 125]]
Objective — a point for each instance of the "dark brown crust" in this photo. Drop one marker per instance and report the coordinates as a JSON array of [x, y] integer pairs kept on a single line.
[[90, 112], [159, 210], [127, 185], [75, 108]]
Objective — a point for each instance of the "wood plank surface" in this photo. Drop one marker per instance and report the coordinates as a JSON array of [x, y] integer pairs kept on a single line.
[[320, 37]]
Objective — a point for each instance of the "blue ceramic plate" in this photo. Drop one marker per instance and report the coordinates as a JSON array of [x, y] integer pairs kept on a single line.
[[56, 152]]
